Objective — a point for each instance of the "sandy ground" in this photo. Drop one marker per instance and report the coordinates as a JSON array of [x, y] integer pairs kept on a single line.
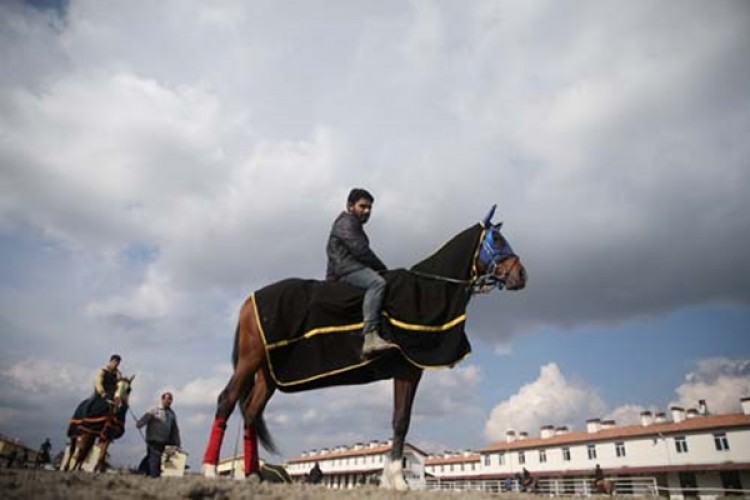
[[29, 484]]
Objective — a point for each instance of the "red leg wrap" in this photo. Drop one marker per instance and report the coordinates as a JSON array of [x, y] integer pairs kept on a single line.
[[214, 441], [250, 441]]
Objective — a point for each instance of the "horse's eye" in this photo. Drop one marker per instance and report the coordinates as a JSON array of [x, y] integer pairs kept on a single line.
[[498, 239]]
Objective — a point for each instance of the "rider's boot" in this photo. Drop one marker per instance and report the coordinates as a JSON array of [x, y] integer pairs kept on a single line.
[[374, 343]]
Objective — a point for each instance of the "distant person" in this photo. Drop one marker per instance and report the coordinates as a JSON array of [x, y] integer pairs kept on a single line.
[[44, 457], [316, 474], [11, 458], [161, 430], [351, 260], [508, 484], [601, 485], [527, 482]]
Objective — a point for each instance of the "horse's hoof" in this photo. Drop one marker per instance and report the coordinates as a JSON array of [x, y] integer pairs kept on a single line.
[[253, 478], [209, 471]]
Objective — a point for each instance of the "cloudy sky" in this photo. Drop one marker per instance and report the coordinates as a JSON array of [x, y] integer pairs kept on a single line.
[[159, 161]]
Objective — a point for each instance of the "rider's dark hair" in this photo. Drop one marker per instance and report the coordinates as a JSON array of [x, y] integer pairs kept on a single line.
[[115, 357], [357, 194]]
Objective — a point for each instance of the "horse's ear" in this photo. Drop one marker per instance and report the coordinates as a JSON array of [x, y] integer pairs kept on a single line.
[[490, 214], [131, 378]]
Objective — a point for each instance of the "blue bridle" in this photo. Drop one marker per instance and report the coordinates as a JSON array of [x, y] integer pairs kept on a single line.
[[492, 255], [489, 253]]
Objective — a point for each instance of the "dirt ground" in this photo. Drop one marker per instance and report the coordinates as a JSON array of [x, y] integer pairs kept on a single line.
[[47, 485]]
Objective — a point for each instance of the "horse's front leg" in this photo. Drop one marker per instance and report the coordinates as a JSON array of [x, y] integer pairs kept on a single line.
[[404, 389], [82, 449], [101, 462]]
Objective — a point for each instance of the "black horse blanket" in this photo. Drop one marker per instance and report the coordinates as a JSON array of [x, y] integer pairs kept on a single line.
[[96, 416], [311, 328]]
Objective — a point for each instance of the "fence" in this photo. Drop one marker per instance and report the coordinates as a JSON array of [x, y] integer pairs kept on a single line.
[[638, 486]]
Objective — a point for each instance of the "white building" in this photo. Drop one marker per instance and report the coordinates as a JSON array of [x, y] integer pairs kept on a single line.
[[691, 452], [686, 453], [348, 466]]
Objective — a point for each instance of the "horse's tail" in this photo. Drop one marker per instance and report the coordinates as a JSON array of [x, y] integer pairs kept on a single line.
[[264, 436], [236, 347]]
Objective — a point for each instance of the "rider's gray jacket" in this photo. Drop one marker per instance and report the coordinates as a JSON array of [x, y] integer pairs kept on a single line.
[[348, 248], [161, 426]]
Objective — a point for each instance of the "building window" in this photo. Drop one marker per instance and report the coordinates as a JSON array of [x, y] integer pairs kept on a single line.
[[720, 440], [473, 466], [592, 451], [462, 467], [620, 449], [542, 456], [680, 443], [521, 457], [730, 480], [501, 458], [688, 484], [566, 454], [451, 467], [487, 460]]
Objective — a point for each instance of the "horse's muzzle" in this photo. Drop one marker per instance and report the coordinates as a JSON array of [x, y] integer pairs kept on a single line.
[[516, 279]]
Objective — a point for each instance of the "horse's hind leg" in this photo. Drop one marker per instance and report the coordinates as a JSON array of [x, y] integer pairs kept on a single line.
[[252, 411], [71, 450], [249, 356]]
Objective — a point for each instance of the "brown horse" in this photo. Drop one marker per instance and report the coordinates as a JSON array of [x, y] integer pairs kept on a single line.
[[106, 424], [603, 487], [477, 260]]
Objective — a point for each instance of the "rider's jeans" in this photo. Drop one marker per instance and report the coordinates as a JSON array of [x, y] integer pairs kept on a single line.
[[371, 281]]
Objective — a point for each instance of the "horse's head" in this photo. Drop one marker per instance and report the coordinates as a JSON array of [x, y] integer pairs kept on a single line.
[[124, 385], [497, 264]]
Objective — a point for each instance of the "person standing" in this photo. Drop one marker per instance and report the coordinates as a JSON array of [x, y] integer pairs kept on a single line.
[[316, 474], [43, 457], [351, 260], [161, 430]]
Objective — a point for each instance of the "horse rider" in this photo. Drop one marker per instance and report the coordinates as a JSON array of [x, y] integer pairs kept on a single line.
[[527, 482], [351, 260], [599, 484], [105, 386], [107, 377]]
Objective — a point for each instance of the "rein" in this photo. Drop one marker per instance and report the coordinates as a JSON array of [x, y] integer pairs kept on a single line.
[[481, 284]]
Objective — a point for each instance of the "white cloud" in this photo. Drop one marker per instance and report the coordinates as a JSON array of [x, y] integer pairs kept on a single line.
[[152, 299], [45, 378], [550, 396], [721, 382]]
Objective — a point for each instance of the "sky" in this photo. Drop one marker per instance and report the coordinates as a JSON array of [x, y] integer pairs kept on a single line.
[[160, 161]]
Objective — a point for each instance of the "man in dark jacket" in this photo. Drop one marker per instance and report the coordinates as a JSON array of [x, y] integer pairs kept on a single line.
[[351, 260], [161, 430]]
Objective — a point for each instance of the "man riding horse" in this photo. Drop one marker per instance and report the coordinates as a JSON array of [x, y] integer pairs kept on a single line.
[[296, 335], [351, 260], [101, 416]]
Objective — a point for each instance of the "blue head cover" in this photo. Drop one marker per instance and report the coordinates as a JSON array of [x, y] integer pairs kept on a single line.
[[495, 247]]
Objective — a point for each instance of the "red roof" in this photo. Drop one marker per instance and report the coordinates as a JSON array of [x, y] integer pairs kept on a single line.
[[701, 423]]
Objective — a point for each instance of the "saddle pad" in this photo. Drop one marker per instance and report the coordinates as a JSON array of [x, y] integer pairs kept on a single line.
[[312, 329]]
